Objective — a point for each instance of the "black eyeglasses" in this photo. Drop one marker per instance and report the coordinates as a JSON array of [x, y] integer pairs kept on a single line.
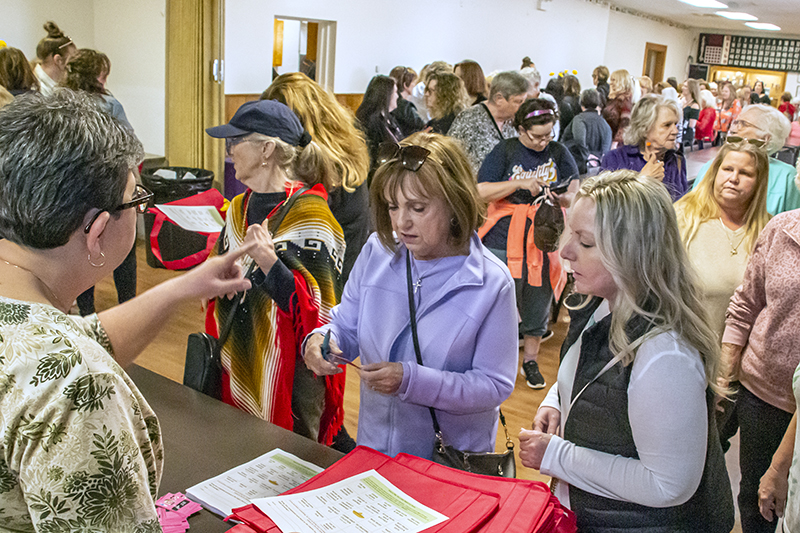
[[412, 157], [141, 197], [733, 139]]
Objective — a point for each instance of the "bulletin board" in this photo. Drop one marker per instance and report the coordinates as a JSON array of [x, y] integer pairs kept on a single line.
[[764, 53]]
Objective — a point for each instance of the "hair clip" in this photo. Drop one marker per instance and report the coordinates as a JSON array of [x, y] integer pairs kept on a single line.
[[539, 112]]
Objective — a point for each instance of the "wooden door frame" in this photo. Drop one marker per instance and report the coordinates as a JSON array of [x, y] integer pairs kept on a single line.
[[661, 49]]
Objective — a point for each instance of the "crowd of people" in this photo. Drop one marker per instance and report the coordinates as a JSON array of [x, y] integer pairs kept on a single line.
[[428, 234]]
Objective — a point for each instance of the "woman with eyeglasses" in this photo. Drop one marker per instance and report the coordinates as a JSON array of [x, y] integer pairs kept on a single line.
[[513, 176], [650, 145], [76, 429], [721, 219], [297, 255], [426, 250], [445, 97]]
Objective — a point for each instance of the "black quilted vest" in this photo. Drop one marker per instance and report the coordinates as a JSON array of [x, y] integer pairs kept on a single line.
[[599, 420]]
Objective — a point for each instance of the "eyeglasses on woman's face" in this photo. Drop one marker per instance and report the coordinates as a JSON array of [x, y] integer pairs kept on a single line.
[[412, 157], [231, 142], [547, 137], [139, 200]]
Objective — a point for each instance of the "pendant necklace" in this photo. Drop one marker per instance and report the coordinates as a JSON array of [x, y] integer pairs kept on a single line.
[[52, 296], [734, 249], [420, 276]]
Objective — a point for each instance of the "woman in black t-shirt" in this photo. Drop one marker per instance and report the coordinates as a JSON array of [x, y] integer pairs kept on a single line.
[[512, 176]]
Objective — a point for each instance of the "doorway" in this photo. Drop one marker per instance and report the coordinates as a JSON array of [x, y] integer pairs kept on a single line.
[[655, 55], [304, 45]]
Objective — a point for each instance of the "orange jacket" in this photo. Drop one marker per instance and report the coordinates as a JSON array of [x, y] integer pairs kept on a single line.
[[519, 243]]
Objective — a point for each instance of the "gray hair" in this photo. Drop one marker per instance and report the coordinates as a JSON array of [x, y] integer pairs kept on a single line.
[[60, 156], [773, 122], [532, 75], [508, 84], [645, 115]]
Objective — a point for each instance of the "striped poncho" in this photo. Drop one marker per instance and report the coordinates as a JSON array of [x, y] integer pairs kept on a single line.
[[263, 348]]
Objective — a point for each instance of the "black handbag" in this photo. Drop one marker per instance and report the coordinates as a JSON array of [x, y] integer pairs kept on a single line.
[[203, 368], [490, 464]]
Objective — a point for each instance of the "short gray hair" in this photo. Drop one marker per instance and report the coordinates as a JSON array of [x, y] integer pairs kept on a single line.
[[645, 115], [60, 156], [508, 84], [773, 122], [532, 75]]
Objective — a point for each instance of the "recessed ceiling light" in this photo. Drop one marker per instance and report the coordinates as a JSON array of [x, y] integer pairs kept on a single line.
[[735, 15], [705, 3], [762, 26]]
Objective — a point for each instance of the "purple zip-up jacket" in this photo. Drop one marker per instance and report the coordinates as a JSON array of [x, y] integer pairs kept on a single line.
[[468, 339], [628, 156]]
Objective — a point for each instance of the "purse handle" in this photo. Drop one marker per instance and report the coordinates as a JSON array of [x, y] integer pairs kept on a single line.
[[278, 219], [412, 309]]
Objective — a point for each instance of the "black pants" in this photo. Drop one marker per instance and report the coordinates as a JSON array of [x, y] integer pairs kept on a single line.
[[124, 280], [761, 427]]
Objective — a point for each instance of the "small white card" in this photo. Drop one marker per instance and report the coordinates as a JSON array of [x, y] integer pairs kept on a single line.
[[198, 218], [364, 503]]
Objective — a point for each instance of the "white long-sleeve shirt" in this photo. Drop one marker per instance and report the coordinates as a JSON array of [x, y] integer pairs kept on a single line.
[[668, 418]]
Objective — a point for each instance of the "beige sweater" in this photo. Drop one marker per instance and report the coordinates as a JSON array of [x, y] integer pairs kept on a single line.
[[720, 271]]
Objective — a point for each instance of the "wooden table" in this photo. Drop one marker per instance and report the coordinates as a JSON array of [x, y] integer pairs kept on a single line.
[[204, 438]]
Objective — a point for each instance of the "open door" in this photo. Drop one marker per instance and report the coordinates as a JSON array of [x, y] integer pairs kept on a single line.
[[304, 45], [195, 84], [655, 55]]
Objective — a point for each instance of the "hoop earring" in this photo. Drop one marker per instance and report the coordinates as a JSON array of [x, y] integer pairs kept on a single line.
[[102, 260]]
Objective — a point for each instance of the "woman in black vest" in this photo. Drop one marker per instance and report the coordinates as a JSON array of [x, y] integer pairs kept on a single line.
[[627, 428]]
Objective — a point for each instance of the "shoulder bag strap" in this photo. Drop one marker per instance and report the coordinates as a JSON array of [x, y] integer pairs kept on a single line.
[[278, 218], [412, 309]]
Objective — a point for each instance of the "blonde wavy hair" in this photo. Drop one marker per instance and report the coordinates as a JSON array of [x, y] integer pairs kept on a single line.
[[641, 248], [699, 205], [620, 82], [331, 125]]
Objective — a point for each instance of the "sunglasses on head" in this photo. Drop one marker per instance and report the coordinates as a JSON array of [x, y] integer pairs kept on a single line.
[[412, 157], [734, 139]]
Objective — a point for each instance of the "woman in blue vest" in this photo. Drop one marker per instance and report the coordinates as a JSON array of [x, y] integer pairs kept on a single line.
[[627, 428]]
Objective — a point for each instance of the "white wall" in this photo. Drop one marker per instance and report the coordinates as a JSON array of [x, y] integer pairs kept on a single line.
[[569, 34], [132, 34], [626, 39], [291, 47]]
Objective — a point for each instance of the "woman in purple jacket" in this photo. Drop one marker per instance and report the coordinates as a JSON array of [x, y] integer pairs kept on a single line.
[[649, 147], [425, 194]]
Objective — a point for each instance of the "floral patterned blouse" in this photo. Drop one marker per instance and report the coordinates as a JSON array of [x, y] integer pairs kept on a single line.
[[81, 450]]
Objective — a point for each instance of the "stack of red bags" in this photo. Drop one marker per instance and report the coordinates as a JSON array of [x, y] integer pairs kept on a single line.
[[473, 503]]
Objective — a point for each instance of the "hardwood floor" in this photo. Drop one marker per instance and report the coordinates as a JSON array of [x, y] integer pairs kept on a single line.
[[166, 353]]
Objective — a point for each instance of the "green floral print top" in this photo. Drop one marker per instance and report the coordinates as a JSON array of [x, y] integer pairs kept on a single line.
[[81, 450]]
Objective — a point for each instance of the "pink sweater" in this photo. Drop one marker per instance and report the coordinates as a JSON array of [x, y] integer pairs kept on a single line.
[[764, 315]]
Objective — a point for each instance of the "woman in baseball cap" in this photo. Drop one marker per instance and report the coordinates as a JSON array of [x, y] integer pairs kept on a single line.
[[298, 254]]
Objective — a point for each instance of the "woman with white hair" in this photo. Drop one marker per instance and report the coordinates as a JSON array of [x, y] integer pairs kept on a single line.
[[650, 145], [764, 123], [628, 429]]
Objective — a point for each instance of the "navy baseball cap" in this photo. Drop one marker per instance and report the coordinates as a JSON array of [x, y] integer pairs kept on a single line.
[[268, 117]]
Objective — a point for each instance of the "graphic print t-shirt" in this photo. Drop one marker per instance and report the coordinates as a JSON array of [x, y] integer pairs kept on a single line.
[[511, 160]]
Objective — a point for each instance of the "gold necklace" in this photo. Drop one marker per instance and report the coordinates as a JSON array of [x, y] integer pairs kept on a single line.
[[734, 249], [60, 306]]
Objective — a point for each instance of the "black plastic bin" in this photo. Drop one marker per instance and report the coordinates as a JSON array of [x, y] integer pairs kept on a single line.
[[174, 242]]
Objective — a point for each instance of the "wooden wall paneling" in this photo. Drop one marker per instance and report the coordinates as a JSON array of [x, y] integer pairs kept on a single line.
[[350, 101], [235, 101]]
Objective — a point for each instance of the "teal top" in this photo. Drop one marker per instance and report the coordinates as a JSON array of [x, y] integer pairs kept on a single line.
[[782, 193]]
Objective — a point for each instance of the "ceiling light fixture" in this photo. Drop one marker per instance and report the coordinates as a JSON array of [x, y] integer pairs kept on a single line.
[[713, 4], [735, 15], [763, 26]]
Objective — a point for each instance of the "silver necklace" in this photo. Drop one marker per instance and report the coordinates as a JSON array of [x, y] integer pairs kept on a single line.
[[420, 276], [734, 249], [60, 306]]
